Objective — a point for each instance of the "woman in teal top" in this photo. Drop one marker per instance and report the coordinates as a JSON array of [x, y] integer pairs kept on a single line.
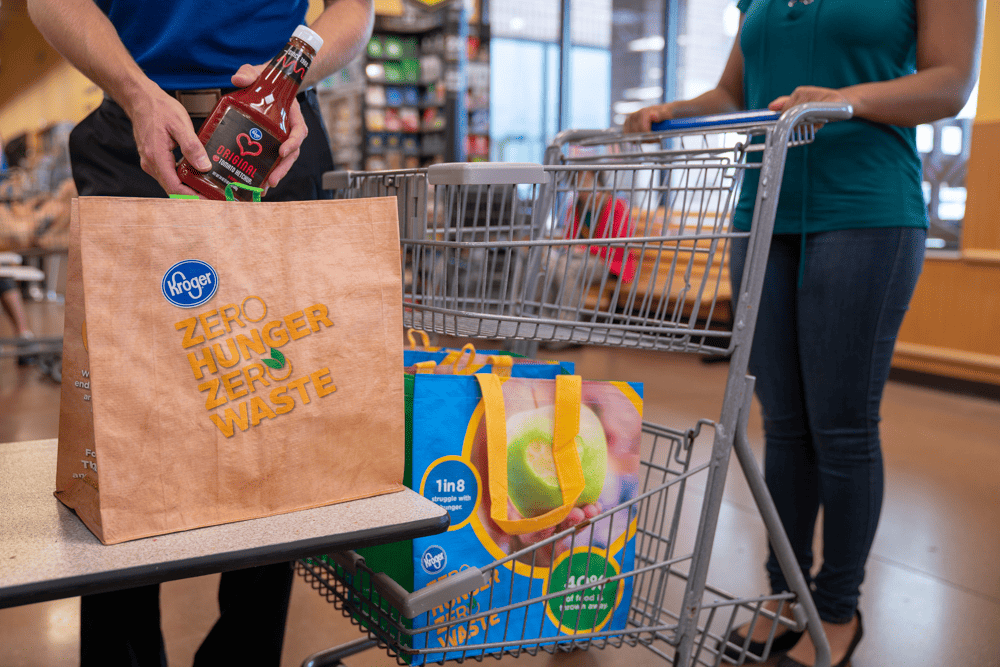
[[845, 256]]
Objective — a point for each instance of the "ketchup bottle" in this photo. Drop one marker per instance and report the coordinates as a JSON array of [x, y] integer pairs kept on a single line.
[[244, 131]]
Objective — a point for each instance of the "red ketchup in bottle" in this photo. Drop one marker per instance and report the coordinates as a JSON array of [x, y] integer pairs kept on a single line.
[[244, 131]]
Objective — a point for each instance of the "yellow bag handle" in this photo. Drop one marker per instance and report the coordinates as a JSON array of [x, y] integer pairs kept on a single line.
[[426, 340], [569, 470], [502, 365], [425, 367], [455, 359], [455, 356]]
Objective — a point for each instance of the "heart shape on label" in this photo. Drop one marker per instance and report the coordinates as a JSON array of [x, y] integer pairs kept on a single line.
[[250, 145]]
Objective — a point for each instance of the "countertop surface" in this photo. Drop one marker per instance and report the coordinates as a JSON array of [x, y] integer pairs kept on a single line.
[[46, 552]]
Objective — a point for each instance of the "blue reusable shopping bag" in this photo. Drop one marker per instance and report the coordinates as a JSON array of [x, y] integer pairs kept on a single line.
[[468, 361], [453, 462]]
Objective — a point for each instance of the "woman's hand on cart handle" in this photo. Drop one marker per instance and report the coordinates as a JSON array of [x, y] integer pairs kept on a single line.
[[719, 100], [643, 119], [804, 94]]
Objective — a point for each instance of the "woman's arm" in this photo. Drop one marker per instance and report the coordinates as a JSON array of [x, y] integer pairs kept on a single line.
[[727, 96], [949, 39]]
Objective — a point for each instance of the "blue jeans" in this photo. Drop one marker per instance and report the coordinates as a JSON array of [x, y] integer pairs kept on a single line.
[[821, 354]]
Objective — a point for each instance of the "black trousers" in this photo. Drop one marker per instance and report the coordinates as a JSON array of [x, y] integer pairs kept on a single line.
[[105, 160], [122, 628]]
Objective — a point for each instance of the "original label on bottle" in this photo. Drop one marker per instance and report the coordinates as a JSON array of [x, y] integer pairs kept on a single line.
[[293, 63], [241, 151]]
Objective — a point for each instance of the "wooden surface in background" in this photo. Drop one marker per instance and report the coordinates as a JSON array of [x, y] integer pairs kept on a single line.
[[953, 326], [981, 228], [25, 56]]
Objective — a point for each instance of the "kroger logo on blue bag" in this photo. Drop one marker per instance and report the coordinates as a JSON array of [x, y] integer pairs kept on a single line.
[[190, 283], [433, 560]]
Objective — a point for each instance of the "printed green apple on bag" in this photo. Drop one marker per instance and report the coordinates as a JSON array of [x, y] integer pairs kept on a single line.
[[516, 461]]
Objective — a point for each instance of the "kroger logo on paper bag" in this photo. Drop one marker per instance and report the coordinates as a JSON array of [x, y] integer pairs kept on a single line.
[[190, 283], [433, 560]]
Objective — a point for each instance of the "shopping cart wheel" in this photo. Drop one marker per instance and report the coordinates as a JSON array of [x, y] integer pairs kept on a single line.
[[332, 657]]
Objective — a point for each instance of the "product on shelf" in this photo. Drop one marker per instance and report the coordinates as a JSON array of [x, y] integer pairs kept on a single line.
[[394, 151], [411, 95], [479, 121], [433, 119], [393, 47], [392, 121], [375, 96], [376, 142], [435, 95], [411, 70], [393, 72], [409, 119], [375, 120], [411, 145], [375, 48], [393, 96], [452, 47], [477, 146], [432, 67]]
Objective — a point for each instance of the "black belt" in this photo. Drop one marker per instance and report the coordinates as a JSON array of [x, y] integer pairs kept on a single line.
[[199, 103]]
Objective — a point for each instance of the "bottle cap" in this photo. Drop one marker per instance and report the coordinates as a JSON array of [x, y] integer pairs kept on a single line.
[[309, 37]]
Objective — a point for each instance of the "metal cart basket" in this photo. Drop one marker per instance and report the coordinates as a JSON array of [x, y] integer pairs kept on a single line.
[[620, 241]]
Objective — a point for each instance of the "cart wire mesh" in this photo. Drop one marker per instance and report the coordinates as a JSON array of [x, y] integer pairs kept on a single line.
[[613, 242], [453, 626], [618, 241]]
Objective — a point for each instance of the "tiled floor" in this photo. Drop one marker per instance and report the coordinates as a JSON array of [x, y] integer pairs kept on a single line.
[[932, 595]]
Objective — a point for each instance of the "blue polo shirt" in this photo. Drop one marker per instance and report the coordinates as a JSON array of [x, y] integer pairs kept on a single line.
[[185, 45], [857, 173]]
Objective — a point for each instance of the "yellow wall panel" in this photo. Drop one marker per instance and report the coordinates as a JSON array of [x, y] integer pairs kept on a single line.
[[988, 104], [954, 307], [62, 94], [981, 228], [315, 8], [389, 7], [953, 325]]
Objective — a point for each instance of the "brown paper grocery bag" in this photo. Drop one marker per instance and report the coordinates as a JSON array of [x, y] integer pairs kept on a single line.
[[226, 361]]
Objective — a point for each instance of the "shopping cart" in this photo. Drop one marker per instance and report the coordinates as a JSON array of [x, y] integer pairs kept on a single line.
[[621, 241]]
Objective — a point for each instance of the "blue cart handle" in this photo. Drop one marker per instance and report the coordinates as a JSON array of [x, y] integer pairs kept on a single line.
[[716, 120]]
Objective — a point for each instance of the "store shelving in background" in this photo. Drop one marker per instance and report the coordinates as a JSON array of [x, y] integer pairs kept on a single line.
[[418, 95], [478, 93]]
